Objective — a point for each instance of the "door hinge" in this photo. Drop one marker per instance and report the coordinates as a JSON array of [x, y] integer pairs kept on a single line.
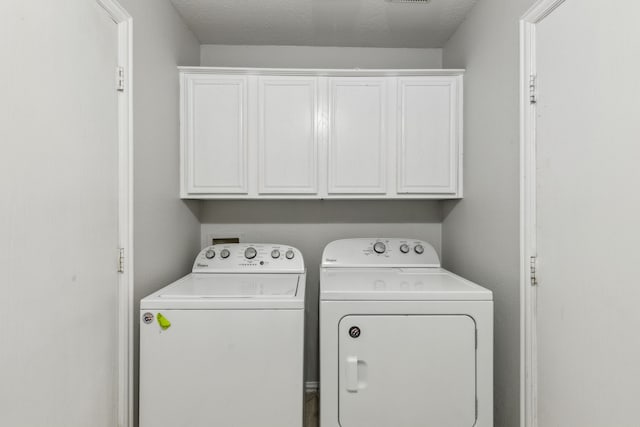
[[120, 79], [532, 270], [121, 260], [533, 94]]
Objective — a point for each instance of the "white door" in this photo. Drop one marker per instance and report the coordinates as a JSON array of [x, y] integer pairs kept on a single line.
[[214, 119], [428, 135], [588, 210], [357, 135], [407, 371], [288, 135], [59, 215]]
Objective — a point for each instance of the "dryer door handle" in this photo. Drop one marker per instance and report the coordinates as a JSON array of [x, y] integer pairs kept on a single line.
[[356, 374], [352, 374]]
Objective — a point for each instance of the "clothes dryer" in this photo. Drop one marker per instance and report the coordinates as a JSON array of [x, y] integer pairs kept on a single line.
[[403, 342]]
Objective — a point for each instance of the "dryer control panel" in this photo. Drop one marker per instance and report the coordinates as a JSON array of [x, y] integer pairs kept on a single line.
[[249, 258], [380, 252]]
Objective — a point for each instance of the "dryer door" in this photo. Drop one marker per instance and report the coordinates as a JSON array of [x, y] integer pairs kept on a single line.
[[407, 371]]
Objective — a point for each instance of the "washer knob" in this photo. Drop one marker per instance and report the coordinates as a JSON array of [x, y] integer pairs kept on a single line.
[[289, 254], [225, 253], [250, 253], [379, 247], [210, 254], [404, 248], [275, 254], [419, 249]]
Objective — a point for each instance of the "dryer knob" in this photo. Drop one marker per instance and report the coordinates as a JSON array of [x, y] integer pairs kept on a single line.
[[289, 254], [404, 248], [250, 253], [275, 254], [419, 249], [225, 253], [210, 254], [379, 247]]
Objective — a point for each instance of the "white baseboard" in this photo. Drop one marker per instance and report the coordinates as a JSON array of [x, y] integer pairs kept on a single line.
[[311, 386]]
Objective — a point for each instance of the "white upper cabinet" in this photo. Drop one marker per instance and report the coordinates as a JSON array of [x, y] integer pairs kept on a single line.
[[214, 128], [428, 134], [287, 135], [357, 135], [320, 134]]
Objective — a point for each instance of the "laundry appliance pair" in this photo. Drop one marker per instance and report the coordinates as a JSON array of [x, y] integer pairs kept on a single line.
[[402, 341]]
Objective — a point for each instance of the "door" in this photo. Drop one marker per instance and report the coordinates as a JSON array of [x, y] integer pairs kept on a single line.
[[288, 135], [588, 205], [59, 229], [407, 371], [214, 118], [357, 135], [428, 135]]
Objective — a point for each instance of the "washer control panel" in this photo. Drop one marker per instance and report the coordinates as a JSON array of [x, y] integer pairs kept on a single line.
[[381, 252], [249, 257]]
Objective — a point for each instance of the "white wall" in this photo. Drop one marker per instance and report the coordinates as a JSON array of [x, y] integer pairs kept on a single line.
[[310, 225], [318, 57], [481, 232], [167, 230]]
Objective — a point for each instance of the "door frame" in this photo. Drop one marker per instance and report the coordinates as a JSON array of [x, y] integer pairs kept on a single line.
[[528, 203], [124, 22]]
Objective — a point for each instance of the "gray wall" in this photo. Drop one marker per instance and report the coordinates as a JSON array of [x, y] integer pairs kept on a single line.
[[318, 57], [310, 225], [167, 230], [481, 232]]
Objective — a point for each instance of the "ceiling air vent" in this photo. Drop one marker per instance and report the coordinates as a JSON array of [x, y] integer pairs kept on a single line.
[[410, 1]]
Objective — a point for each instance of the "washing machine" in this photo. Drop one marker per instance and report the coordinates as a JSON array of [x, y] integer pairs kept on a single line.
[[403, 342], [223, 346]]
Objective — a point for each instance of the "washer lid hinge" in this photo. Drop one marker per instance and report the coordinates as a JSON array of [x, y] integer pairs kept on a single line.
[[532, 270]]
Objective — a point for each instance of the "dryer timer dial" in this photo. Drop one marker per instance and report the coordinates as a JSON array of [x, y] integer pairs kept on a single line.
[[250, 253], [379, 247]]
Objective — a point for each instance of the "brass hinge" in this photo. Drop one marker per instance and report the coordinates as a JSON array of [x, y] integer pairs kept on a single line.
[[121, 260]]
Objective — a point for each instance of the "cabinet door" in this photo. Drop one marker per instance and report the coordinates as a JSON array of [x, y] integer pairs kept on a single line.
[[288, 135], [428, 135], [357, 135], [215, 128]]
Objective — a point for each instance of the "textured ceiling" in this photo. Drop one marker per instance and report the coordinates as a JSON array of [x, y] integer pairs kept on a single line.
[[367, 23]]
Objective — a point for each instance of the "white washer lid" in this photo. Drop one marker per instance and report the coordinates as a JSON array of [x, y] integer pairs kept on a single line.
[[398, 284], [229, 291]]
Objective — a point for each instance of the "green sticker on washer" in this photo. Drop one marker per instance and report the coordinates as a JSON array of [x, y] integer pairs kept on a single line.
[[163, 322]]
